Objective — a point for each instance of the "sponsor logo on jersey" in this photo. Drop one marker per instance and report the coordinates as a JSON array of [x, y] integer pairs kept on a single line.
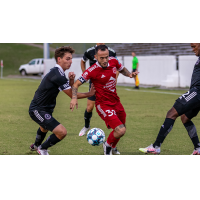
[[47, 116], [85, 75], [111, 84], [92, 68]]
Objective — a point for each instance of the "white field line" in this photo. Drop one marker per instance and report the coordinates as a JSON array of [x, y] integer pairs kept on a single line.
[[154, 92]]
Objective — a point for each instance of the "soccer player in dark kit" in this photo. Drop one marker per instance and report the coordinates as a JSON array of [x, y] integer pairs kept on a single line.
[[44, 101], [108, 105], [187, 106], [90, 55]]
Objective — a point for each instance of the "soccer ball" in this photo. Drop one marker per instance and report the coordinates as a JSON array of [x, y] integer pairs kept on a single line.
[[95, 137]]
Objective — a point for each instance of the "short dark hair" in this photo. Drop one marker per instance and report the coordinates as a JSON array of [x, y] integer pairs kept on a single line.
[[60, 52], [100, 47]]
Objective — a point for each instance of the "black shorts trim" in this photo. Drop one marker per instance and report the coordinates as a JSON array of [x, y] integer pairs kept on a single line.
[[44, 119], [93, 98], [134, 70]]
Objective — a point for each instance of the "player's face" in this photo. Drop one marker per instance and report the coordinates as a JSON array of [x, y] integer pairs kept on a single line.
[[196, 48], [66, 61], [102, 57]]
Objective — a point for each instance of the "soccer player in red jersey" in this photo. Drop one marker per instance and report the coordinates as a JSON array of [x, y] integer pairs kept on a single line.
[[108, 105]]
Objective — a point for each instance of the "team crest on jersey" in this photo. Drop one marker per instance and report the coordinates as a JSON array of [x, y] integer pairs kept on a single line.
[[114, 70], [47, 116]]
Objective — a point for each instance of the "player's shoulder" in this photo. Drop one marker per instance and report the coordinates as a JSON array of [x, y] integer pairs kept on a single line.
[[57, 71], [112, 50], [94, 67], [113, 59], [90, 49]]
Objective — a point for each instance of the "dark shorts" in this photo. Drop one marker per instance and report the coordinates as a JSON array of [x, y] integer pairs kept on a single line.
[[44, 119], [188, 103], [134, 70], [92, 98]]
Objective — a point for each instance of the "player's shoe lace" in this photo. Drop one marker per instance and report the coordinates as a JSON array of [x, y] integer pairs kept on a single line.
[[107, 150], [115, 151], [33, 147], [42, 151], [196, 151], [151, 149], [84, 131]]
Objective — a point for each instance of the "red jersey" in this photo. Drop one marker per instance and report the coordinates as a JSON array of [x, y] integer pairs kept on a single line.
[[104, 80]]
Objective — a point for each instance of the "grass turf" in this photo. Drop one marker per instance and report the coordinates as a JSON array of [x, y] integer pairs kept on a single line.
[[146, 111]]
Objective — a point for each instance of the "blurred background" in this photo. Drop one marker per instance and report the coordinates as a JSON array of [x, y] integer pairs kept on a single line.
[[160, 64]]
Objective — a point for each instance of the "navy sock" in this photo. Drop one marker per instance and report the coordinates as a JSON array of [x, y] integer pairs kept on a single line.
[[51, 140], [192, 132], [164, 130], [87, 117], [40, 137]]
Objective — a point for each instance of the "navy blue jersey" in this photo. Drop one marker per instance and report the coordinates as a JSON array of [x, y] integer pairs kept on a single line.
[[45, 96], [89, 55], [195, 82]]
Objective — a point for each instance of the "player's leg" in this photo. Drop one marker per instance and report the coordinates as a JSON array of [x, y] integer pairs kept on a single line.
[[41, 134], [88, 113], [182, 105], [59, 133], [191, 129]]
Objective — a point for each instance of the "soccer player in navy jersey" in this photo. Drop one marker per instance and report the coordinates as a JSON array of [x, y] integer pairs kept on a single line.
[[108, 105], [187, 106], [44, 101]]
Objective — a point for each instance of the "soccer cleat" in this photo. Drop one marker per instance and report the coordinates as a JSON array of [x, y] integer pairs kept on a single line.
[[115, 151], [84, 131], [107, 150], [42, 151], [196, 151], [33, 147], [150, 149]]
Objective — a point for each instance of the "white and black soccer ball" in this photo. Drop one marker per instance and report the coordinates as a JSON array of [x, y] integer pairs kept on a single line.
[[95, 137]]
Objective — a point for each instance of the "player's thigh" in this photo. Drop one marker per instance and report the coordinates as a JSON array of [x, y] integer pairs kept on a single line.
[[187, 102], [90, 105], [121, 114], [109, 115], [44, 119]]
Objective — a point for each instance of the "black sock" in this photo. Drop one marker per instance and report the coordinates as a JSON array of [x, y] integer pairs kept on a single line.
[[164, 130], [40, 137], [51, 140], [192, 132], [87, 117]]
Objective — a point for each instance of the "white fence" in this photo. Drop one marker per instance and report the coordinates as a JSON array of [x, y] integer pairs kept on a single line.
[[154, 70]]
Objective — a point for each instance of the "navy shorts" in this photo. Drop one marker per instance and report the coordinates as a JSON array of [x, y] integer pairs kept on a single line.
[[44, 119], [188, 103], [92, 98]]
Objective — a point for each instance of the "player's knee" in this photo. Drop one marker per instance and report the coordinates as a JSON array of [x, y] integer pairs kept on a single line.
[[184, 119], [43, 130], [122, 131], [172, 113], [90, 107]]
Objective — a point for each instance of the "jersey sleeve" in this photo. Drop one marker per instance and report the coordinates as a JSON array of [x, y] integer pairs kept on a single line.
[[88, 74], [61, 81], [119, 66]]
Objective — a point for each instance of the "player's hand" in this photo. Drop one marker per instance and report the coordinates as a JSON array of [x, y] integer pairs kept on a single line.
[[73, 103], [71, 75], [134, 74], [92, 90]]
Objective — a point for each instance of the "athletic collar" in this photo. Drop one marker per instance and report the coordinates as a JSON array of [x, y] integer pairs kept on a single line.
[[97, 63], [59, 67]]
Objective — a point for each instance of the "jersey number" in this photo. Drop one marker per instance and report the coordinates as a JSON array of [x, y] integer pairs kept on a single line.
[[111, 112]]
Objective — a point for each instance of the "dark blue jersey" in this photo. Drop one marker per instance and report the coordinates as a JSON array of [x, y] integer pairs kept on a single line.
[[195, 82], [45, 96]]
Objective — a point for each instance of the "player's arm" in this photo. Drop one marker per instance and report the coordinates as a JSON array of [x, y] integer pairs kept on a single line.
[[83, 61], [125, 72]]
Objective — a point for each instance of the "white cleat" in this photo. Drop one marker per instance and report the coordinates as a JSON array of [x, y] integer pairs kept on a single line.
[[115, 151], [84, 131], [150, 149], [107, 150], [42, 151], [196, 151]]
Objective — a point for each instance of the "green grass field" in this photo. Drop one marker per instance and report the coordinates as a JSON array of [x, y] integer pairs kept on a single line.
[[146, 110]]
